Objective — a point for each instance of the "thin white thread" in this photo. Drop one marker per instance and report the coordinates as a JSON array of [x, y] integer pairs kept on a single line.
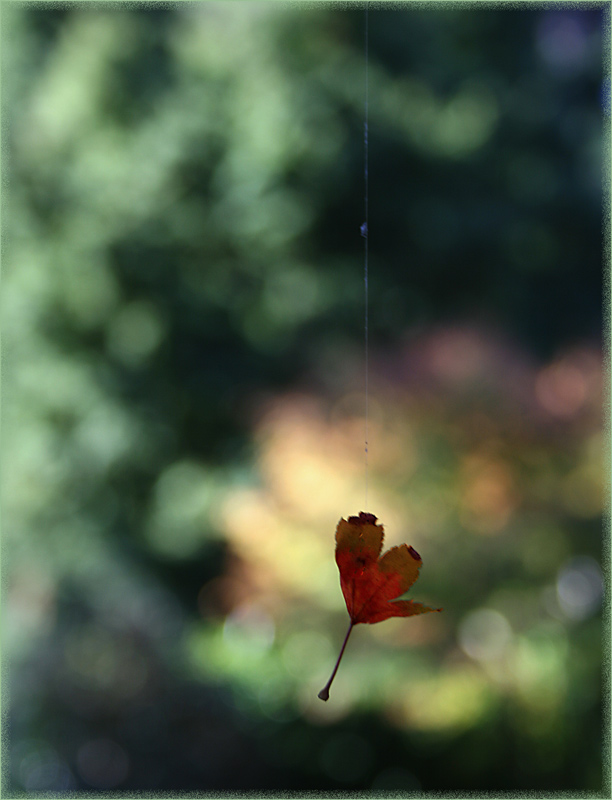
[[365, 270]]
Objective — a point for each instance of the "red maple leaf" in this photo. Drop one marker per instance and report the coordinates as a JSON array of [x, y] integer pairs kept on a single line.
[[370, 584]]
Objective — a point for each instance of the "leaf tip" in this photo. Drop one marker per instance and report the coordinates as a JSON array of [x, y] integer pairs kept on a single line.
[[363, 519], [414, 553], [324, 694]]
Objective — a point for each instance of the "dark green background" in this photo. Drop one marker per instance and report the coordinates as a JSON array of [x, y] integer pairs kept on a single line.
[[182, 201]]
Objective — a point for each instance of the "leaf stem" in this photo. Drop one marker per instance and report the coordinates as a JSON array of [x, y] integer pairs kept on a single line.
[[324, 693]]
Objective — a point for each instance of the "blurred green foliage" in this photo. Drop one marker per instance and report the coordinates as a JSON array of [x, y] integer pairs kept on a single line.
[[183, 402]]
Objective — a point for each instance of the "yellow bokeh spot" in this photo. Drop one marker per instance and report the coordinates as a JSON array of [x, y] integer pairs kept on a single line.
[[454, 700]]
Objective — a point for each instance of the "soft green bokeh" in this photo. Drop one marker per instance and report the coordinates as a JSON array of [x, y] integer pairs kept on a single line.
[[183, 309]]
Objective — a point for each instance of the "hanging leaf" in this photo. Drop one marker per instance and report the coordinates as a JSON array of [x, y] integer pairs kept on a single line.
[[371, 584]]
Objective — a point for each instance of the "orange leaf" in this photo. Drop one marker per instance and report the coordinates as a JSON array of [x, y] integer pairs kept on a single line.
[[370, 584]]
